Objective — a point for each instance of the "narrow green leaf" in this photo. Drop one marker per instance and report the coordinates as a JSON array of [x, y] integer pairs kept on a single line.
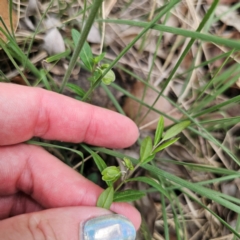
[[150, 182], [86, 52], [146, 148], [165, 218], [176, 129], [128, 195], [148, 159], [79, 91], [106, 198], [203, 191], [101, 165], [44, 79], [99, 58], [179, 31], [159, 130], [85, 31], [165, 145], [58, 56], [43, 144]]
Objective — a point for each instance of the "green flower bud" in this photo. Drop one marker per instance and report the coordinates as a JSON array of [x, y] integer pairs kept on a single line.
[[104, 66], [111, 173], [109, 77], [127, 163]]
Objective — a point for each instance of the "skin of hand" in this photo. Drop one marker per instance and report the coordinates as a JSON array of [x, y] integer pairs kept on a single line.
[[41, 197]]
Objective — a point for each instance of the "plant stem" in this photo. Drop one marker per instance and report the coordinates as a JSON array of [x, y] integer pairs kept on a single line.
[[127, 176], [84, 34]]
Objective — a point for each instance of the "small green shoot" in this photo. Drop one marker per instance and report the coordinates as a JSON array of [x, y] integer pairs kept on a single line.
[[159, 131], [146, 149], [147, 153], [128, 164], [92, 63]]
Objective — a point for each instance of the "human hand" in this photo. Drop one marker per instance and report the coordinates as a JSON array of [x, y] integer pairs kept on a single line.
[[41, 197]]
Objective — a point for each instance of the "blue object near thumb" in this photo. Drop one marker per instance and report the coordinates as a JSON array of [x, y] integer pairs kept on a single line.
[[108, 227]]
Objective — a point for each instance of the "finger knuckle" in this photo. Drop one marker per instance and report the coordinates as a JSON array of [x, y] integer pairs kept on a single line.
[[42, 124], [41, 229]]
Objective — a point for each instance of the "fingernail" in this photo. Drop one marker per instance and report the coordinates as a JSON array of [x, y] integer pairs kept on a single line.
[[109, 227]]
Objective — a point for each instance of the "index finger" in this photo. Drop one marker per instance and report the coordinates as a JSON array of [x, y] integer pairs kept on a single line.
[[26, 112]]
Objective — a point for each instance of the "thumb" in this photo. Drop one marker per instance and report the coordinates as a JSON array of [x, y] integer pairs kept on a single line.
[[75, 223]]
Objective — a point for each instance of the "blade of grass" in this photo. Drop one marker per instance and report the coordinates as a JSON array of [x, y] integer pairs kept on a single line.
[[17, 53], [4, 78], [230, 9], [210, 83], [178, 31], [44, 79], [164, 214], [42, 144], [37, 29], [150, 182], [58, 56], [200, 167], [205, 63], [89, 22], [6, 50], [237, 227], [218, 180], [234, 71], [113, 99], [178, 219], [10, 10], [218, 106]]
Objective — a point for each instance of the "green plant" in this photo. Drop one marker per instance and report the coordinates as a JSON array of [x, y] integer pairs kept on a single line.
[[148, 151], [92, 64]]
